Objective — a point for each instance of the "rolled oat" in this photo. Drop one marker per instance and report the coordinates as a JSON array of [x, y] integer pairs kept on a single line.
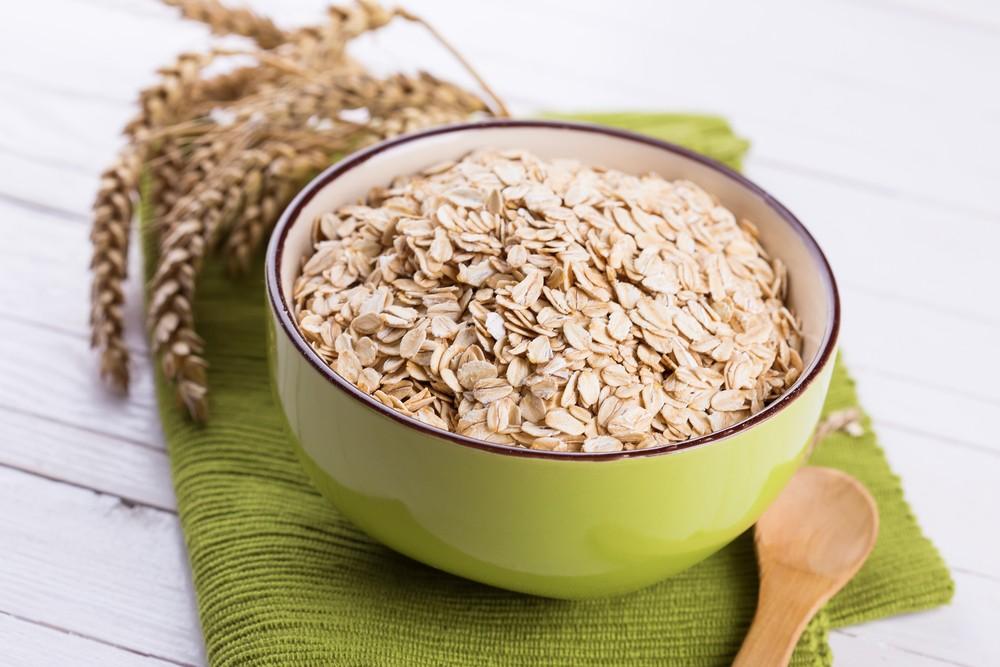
[[550, 305]]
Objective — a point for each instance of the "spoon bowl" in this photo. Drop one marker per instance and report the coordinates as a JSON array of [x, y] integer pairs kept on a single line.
[[824, 520]]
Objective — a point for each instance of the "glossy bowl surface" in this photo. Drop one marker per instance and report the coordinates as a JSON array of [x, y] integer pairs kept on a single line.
[[566, 525]]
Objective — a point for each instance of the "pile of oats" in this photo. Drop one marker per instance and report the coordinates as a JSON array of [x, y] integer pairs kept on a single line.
[[550, 305]]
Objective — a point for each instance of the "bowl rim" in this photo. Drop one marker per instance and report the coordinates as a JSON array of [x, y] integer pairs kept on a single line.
[[283, 314]]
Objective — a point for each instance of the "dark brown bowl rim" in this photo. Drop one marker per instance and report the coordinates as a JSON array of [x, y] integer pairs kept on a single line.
[[284, 316]]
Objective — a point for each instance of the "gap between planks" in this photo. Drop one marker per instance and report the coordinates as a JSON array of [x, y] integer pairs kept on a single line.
[[104, 649], [847, 634], [124, 500]]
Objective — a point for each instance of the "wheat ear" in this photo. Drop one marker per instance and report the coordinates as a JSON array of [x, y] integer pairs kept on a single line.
[[113, 209], [109, 265], [224, 20], [226, 153]]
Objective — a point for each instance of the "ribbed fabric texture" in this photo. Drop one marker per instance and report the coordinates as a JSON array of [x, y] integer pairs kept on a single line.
[[283, 580]]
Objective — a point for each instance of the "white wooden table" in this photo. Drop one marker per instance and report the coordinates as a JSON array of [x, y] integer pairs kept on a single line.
[[877, 122]]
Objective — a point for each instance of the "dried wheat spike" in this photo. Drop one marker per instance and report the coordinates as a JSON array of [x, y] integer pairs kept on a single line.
[[182, 160], [163, 102], [185, 232], [234, 85], [283, 171], [181, 167], [109, 265], [204, 158], [171, 315], [227, 153], [315, 46], [113, 209], [425, 91], [166, 170], [354, 20], [237, 188], [224, 20], [411, 119]]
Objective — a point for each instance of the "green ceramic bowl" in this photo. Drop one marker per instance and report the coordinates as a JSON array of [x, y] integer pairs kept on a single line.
[[564, 525]]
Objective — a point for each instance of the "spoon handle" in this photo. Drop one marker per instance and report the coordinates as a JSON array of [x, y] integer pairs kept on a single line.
[[788, 599]]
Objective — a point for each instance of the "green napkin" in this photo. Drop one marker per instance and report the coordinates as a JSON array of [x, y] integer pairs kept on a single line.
[[282, 579]]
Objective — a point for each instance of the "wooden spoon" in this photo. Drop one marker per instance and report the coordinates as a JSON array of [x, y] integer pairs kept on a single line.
[[810, 543]]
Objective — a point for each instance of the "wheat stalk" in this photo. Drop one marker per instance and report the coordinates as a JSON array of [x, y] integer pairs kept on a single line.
[[227, 152], [163, 102], [113, 210]]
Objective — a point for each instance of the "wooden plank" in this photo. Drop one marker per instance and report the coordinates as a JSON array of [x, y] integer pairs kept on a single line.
[[839, 215], [914, 342], [136, 473], [103, 60], [88, 564], [54, 376], [898, 389], [69, 395], [67, 193], [954, 495], [76, 197], [894, 247], [840, 92], [73, 395], [28, 644], [949, 418]]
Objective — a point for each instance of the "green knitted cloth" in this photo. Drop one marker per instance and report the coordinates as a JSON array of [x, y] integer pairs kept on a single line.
[[282, 579]]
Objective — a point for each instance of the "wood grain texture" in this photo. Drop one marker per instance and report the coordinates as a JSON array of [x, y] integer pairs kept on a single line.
[[869, 119]]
